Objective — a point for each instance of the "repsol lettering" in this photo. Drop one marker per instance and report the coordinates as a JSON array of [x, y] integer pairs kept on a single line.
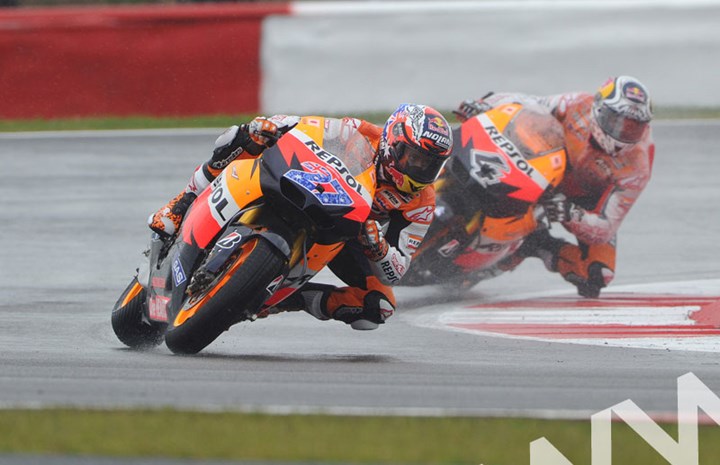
[[389, 271], [336, 163], [509, 148]]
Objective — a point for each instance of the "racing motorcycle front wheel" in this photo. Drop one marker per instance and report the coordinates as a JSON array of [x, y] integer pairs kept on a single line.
[[128, 323], [232, 296]]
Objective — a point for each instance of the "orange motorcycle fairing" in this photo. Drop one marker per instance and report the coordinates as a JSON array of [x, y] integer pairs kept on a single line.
[[497, 239], [234, 189], [504, 163], [316, 259], [304, 150]]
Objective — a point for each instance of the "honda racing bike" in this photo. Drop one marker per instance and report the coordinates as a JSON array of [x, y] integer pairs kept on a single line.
[[255, 235], [508, 159]]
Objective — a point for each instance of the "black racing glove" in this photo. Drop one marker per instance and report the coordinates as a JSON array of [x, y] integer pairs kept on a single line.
[[469, 108]]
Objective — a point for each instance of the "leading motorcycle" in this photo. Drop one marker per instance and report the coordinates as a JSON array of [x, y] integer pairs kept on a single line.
[[262, 229], [505, 162]]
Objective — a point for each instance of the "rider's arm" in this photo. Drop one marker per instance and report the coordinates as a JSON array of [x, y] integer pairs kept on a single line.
[[555, 103], [242, 142], [598, 223], [403, 237], [469, 108]]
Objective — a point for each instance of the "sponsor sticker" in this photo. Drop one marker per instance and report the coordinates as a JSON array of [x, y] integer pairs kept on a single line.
[[272, 287], [320, 183], [389, 271], [179, 276], [397, 265], [414, 241], [447, 249], [633, 92], [421, 215], [229, 241], [157, 308]]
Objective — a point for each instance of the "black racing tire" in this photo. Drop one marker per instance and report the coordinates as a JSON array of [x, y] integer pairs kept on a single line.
[[239, 290], [128, 323]]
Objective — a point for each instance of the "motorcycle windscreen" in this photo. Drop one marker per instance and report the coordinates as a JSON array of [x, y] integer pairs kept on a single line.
[[335, 188], [503, 164]]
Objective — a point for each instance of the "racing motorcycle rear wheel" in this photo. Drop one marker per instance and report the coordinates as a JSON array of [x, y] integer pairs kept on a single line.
[[233, 295], [128, 323]]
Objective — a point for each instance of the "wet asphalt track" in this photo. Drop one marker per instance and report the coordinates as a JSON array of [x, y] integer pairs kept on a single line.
[[72, 216]]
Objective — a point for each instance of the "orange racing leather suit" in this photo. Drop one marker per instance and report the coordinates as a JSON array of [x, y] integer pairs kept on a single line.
[[602, 186]]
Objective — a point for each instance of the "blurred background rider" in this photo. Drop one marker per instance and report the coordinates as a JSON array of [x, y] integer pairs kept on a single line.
[[610, 157]]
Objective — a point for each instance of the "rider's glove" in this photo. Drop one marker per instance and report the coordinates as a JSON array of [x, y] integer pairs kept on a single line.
[[253, 138], [558, 208], [469, 108], [374, 244], [265, 132]]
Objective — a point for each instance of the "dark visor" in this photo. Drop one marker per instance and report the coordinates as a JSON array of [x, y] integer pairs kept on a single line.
[[620, 127], [420, 165]]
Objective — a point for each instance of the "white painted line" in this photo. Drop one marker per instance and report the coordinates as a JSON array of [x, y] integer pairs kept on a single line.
[[669, 326]]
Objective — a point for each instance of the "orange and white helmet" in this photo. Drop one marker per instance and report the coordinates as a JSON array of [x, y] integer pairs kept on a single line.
[[416, 143], [621, 112]]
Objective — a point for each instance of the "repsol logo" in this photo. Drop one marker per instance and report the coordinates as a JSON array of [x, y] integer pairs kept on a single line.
[[389, 271], [336, 163], [509, 148]]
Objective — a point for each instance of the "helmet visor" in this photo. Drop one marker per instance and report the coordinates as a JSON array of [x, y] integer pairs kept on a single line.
[[620, 127], [420, 165]]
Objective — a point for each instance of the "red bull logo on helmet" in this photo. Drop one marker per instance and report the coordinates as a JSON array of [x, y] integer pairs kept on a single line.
[[633, 92], [437, 133]]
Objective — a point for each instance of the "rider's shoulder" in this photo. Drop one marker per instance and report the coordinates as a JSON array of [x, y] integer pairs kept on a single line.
[[422, 207], [423, 198], [369, 130], [571, 102], [345, 128]]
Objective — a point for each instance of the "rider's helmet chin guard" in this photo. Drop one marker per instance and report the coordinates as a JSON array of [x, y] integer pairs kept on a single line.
[[621, 112], [416, 143]]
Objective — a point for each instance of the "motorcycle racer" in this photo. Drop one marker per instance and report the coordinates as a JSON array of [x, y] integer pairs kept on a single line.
[[610, 156], [411, 150]]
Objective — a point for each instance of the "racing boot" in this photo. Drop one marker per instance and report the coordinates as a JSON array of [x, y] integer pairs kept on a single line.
[[166, 221], [373, 311], [305, 299], [362, 310]]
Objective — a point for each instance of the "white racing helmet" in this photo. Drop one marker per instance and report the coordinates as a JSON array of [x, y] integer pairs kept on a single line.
[[621, 112]]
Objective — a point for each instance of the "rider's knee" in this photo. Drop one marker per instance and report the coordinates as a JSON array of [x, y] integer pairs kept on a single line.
[[375, 310]]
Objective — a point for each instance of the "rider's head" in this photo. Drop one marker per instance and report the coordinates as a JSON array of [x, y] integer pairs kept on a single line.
[[621, 113], [415, 144]]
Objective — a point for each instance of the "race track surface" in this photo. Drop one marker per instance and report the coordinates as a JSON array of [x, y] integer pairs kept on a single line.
[[72, 221]]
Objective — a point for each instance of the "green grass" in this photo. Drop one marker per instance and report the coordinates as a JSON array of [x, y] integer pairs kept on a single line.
[[221, 121], [132, 122], [316, 438]]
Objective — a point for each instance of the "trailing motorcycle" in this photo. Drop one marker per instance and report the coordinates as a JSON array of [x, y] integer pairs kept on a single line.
[[507, 160], [262, 229]]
